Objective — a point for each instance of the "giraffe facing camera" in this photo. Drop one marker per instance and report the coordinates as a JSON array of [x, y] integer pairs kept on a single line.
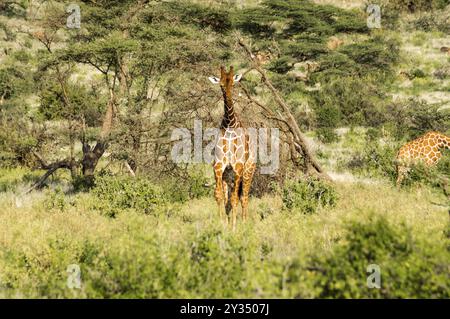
[[234, 155], [227, 79]]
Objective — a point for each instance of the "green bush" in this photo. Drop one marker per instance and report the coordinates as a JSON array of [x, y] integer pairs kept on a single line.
[[409, 119], [56, 201], [192, 186], [436, 176], [212, 264], [417, 5], [220, 264], [114, 194], [327, 135], [425, 117], [430, 21], [375, 160], [306, 196], [11, 178], [373, 135], [281, 65], [328, 116], [409, 267], [348, 101], [376, 52], [417, 73]]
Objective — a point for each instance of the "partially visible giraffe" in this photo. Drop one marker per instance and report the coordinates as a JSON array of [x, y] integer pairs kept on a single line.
[[234, 155], [426, 149]]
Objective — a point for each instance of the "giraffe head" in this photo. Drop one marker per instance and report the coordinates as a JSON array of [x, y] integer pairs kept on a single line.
[[227, 79]]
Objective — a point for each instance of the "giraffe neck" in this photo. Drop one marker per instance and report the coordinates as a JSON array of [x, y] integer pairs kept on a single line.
[[230, 119]]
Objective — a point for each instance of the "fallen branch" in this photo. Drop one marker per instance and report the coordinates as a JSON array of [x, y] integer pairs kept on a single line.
[[288, 118], [51, 168]]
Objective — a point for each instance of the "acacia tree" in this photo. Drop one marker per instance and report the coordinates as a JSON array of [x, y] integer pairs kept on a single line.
[[64, 99], [145, 66], [137, 51], [17, 135]]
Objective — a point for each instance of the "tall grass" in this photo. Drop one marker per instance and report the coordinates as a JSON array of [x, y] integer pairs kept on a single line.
[[187, 252]]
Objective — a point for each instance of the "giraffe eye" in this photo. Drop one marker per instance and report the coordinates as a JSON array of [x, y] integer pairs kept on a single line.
[[213, 80], [237, 77]]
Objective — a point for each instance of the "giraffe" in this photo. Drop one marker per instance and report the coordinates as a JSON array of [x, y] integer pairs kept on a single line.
[[234, 155], [426, 149]]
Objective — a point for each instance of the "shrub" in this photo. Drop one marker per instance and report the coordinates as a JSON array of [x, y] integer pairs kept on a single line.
[[372, 135], [409, 119], [56, 201], [328, 116], [425, 117], [436, 176], [263, 184], [114, 194], [375, 160], [8, 180], [348, 101], [220, 264], [281, 65], [11, 178], [442, 73], [264, 210], [417, 73], [417, 5], [193, 185], [408, 267], [327, 135], [306, 196], [376, 52]]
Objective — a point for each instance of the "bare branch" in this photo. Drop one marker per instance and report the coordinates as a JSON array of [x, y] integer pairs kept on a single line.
[[301, 143]]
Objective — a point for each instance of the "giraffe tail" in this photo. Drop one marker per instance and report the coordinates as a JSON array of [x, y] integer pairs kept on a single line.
[[228, 178]]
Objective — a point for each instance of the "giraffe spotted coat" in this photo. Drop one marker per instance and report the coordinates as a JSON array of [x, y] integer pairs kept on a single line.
[[426, 149], [234, 153]]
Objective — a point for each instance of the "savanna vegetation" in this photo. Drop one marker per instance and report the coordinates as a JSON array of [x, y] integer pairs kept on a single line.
[[86, 173]]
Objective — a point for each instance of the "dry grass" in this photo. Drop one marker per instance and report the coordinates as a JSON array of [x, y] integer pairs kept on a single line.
[[31, 230]]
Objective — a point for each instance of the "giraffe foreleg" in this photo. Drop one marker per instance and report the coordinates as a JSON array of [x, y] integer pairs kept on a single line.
[[246, 184], [238, 170], [219, 195]]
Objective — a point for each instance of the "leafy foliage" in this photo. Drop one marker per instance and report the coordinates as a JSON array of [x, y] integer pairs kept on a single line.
[[375, 160], [306, 196], [414, 117], [418, 267], [115, 194]]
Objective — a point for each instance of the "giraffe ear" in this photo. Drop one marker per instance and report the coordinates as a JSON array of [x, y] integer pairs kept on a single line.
[[213, 80], [237, 77]]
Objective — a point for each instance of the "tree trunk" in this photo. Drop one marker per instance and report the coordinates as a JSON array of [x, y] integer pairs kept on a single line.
[[91, 156]]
